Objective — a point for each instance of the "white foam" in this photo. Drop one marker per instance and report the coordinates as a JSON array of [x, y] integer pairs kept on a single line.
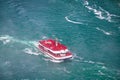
[[33, 43], [56, 61], [91, 62], [105, 32], [71, 21], [32, 48], [52, 60], [100, 12], [86, 3], [5, 39], [46, 59], [76, 58], [100, 63], [44, 37], [29, 51], [100, 72], [103, 67]]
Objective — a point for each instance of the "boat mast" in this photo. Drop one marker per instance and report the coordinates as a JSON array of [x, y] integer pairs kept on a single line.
[[56, 42]]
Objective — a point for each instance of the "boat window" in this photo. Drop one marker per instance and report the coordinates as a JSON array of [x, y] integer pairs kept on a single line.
[[48, 42]]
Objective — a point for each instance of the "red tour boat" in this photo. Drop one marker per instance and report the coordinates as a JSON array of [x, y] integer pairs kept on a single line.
[[54, 49]]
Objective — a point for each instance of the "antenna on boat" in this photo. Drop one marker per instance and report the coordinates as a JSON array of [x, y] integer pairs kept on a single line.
[[56, 41]]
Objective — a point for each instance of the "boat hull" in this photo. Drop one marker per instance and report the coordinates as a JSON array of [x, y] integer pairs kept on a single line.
[[56, 57]]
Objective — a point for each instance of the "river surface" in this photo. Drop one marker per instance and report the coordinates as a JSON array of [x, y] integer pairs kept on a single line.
[[90, 29]]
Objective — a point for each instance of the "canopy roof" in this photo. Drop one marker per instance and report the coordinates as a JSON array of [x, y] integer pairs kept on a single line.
[[53, 45]]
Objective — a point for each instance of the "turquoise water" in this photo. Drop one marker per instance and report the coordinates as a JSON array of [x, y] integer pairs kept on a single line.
[[90, 29]]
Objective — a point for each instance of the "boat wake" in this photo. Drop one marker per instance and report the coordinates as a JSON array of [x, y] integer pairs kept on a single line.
[[100, 12], [71, 21], [47, 58], [31, 51], [5, 39], [102, 68], [31, 47], [56, 61], [105, 32], [100, 65], [31, 44]]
